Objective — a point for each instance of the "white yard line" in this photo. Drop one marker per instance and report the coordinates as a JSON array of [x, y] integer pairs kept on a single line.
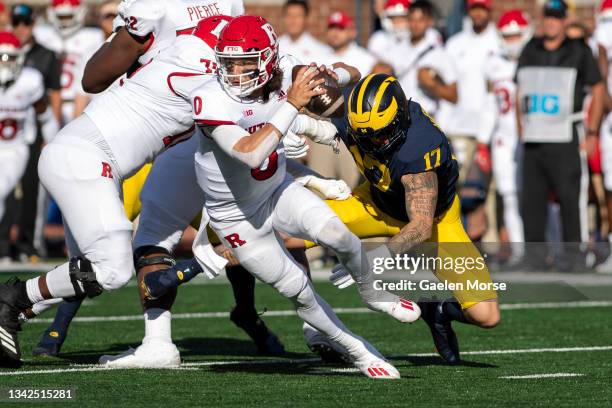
[[535, 376], [193, 365], [339, 310]]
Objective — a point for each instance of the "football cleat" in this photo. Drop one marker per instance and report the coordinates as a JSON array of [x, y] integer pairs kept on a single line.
[[402, 310], [55, 335], [329, 351], [377, 368], [266, 341], [444, 337], [13, 300], [150, 354]]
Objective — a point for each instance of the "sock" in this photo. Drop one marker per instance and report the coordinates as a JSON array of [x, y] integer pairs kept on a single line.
[[243, 285], [158, 325], [58, 282], [34, 291], [451, 310]]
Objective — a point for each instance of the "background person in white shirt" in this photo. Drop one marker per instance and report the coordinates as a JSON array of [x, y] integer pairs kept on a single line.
[[468, 51], [297, 41], [425, 72]]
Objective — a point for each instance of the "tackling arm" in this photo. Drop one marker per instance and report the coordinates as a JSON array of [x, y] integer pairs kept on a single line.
[[113, 59], [421, 197]]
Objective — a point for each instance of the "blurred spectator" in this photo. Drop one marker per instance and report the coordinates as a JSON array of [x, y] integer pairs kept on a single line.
[[552, 77], [297, 41], [425, 71], [603, 37], [28, 214], [107, 12], [577, 30], [74, 44], [499, 120], [390, 43], [468, 51], [341, 35]]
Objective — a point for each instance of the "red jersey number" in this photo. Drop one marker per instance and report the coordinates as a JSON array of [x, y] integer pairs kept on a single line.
[[8, 129], [268, 169]]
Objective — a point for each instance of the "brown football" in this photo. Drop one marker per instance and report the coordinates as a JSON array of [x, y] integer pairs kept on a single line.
[[331, 103]]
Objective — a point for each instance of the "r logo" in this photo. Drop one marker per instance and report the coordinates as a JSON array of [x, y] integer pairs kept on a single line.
[[107, 171], [234, 240]]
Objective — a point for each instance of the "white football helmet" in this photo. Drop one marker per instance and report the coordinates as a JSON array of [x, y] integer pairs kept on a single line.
[[67, 16], [11, 57]]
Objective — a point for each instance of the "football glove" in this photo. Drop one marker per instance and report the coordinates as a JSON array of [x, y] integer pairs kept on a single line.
[[340, 277], [295, 146], [329, 189]]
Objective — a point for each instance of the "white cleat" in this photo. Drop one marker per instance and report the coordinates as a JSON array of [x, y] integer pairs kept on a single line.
[[402, 310], [150, 354], [606, 267], [377, 368], [328, 350]]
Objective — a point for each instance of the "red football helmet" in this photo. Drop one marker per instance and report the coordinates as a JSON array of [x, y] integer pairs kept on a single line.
[[11, 57], [396, 8], [605, 10], [247, 54], [209, 29], [515, 30], [66, 15]]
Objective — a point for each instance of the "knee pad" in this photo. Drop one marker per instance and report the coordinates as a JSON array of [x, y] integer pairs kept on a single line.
[[292, 283], [83, 278], [338, 237]]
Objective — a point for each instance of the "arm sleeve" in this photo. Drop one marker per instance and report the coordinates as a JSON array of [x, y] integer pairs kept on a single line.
[[52, 79], [590, 68], [141, 16], [226, 137]]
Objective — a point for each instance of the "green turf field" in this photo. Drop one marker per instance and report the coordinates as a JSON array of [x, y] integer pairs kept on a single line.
[[571, 341]]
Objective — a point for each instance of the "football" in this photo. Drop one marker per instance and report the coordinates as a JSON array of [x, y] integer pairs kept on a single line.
[[331, 103]]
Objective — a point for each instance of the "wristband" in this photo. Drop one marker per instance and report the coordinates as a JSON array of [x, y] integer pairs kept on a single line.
[[343, 76], [283, 117]]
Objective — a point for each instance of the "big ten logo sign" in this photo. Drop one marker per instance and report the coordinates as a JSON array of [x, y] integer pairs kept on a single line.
[[547, 104]]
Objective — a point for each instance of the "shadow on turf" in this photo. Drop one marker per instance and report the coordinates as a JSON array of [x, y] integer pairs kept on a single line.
[[437, 361], [189, 347], [275, 367]]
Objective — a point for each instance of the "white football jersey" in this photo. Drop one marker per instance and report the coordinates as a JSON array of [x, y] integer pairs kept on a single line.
[[356, 56], [499, 72], [389, 47], [233, 190], [16, 107], [163, 20], [74, 51], [151, 111], [426, 54], [603, 35]]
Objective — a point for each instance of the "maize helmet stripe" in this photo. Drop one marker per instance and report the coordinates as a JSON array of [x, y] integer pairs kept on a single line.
[[383, 109], [356, 98]]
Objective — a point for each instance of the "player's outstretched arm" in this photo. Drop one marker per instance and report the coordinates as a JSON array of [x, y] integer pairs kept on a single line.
[[112, 60], [421, 191]]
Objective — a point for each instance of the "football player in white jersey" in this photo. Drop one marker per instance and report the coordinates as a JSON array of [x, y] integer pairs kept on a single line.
[[500, 120], [143, 28], [250, 199], [83, 169], [74, 44], [603, 36], [426, 72], [390, 42], [21, 91]]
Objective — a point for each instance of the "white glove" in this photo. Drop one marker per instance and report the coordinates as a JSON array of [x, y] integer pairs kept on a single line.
[[340, 277], [295, 146], [330, 189], [319, 131]]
